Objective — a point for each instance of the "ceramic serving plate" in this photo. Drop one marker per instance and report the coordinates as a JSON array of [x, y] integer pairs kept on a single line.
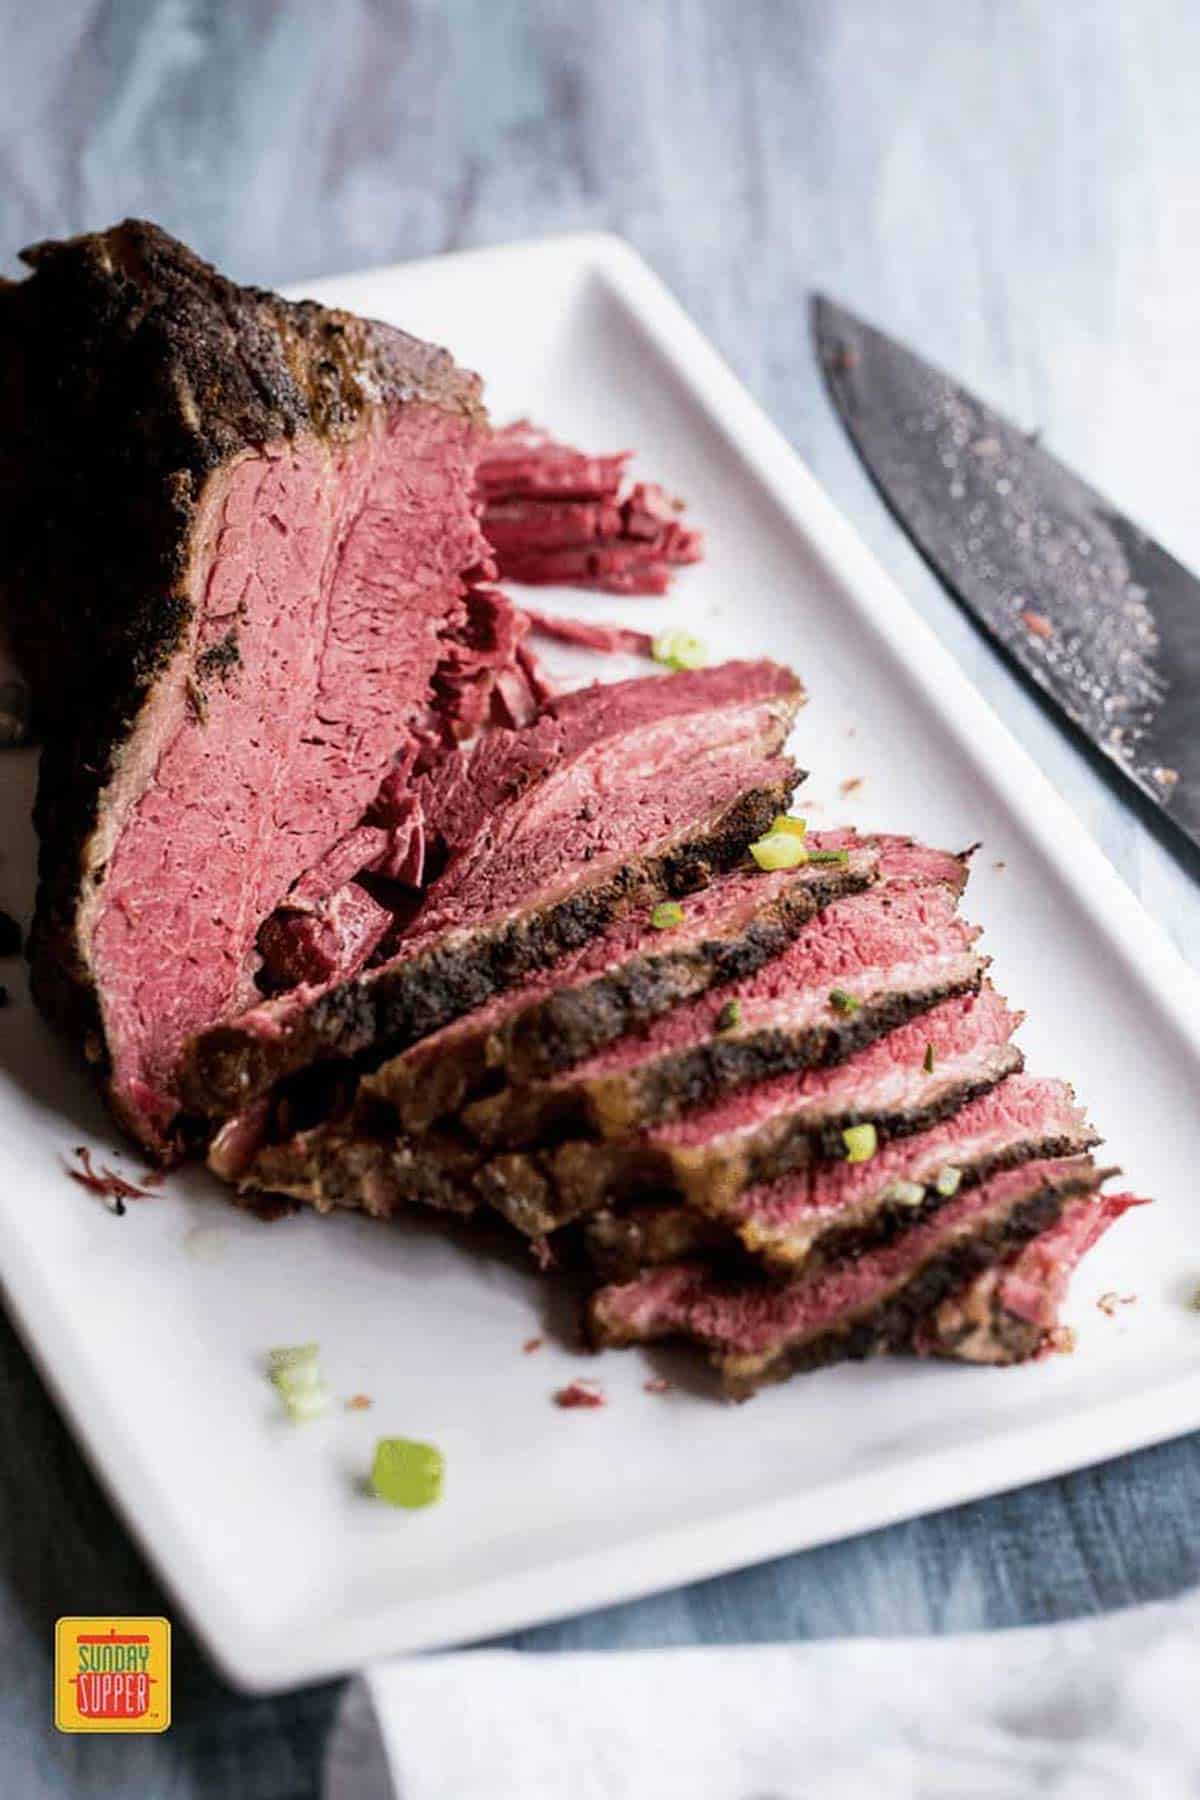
[[150, 1329]]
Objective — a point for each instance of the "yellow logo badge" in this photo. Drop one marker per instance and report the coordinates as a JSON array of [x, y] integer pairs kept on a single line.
[[112, 1674]]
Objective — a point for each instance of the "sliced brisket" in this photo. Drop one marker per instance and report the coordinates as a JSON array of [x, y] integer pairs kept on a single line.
[[237, 539], [555, 515], [614, 796], [1011, 1312], [863, 966], [632, 973], [758, 1331], [762, 1132], [837, 1208]]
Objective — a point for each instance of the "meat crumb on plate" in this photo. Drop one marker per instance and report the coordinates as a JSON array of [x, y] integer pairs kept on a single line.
[[579, 1394]]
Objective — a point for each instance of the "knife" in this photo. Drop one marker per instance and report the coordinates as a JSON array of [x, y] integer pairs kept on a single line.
[[1098, 615]]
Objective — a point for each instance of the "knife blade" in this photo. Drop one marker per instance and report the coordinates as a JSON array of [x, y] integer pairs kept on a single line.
[[1098, 615]]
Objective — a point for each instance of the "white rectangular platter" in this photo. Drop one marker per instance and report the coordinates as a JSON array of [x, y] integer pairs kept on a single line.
[[150, 1329]]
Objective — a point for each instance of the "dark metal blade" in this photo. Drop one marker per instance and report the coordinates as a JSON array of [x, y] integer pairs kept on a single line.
[[1094, 611]]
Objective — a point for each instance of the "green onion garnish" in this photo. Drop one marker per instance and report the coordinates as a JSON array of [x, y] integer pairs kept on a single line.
[[947, 1183], [930, 1060], [842, 1002], [906, 1193], [786, 822], [291, 1356], [679, 650], [296, 1373], [780, 850], [666, 914], [405, 1473], [841, 857], [308, 1402], [729, 1015], [861, 1142]]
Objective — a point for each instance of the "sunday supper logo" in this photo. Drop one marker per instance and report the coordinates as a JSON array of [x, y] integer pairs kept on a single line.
[[112, 1674]]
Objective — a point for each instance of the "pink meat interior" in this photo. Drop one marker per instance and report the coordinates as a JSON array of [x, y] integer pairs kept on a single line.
[[1022, 1109], [888, 939], [728, 904], [757, 1317], [1033, 1283], [967, 1033], [323, 581]]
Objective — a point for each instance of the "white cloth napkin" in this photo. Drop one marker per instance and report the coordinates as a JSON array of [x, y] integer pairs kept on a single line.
[[1103, 1709]]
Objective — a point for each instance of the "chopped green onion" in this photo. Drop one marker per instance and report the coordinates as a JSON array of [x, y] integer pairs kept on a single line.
[[406, 1473], [308, 1402], [861, 1142], [840, 857], [786, 822], [842, 1002], [780, 850], [729, 1015], [666, 914], [679, 650], [291, 1356], [295, 1371], [906, 1193], [930, 1059], [948, 1181]]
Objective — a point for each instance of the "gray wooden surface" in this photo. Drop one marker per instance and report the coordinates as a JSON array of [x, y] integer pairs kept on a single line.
[[1010, 187]]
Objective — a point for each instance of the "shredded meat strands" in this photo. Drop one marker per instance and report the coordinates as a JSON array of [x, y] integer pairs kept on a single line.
[[609, 639], [104, 1181]]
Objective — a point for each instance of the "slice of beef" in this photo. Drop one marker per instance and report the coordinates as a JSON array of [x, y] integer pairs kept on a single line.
[[762, 1132], [838, 1208], [346, 1163], [1011, 1312], [553, 514], [633, 972], [522, 458], [610, 567], [866, 964], [586, 634], [237, 533], [331, 940], [759, 1331], [614, 796]]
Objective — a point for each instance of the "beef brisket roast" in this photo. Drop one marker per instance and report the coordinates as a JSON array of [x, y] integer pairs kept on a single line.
[[238, 534], [866, 964], [615, 795], [758, 1331], [335, 886]]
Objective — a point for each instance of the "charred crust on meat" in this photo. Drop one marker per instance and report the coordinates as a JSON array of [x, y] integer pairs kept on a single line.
[[891, 1221], [890, 1326], [566, 1026], [100, 510], [395, 1006], [540, 1190], [674, 1084], [891, 1322]]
